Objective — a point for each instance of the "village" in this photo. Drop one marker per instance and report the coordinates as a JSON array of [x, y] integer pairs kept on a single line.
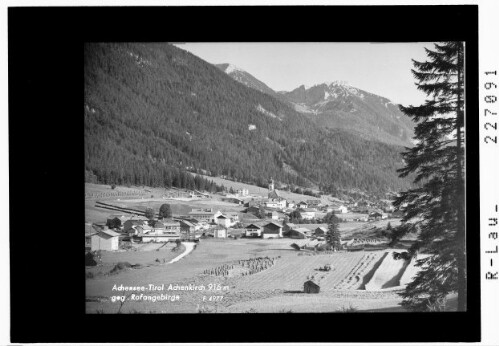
[[255, 216]]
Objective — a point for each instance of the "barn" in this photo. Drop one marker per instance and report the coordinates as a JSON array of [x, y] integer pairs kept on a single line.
[[104, 240], [320, 231], [272, 230], [311, 287]]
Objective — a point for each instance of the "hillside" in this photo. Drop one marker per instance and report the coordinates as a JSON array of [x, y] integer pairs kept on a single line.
[[154, 110]]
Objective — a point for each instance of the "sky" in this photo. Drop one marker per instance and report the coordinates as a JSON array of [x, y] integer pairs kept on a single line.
[[380, 68]]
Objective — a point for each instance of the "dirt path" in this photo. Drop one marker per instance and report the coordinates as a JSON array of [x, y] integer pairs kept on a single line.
[[188, 248]]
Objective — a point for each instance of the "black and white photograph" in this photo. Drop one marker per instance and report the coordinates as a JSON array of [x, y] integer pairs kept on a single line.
[[251, 173], [275, 177]]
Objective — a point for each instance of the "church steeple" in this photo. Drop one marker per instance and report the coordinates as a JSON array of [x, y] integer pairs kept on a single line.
[[271, 185]]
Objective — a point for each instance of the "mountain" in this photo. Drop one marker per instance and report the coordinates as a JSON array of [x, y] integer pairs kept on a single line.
[[245, 78], [340, 106], [152, 110]]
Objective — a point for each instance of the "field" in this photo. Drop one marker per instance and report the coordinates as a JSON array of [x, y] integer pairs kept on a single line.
[[277, 286]]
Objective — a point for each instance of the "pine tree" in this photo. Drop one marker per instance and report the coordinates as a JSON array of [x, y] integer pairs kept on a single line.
[[149, 213], [333, 237], [435, 208], [165, 211]]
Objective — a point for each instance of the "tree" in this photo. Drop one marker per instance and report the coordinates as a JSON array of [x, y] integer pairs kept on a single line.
[[149, 213], [114, 223], [165, 211], [333, 237], [435, 208], [329, 217], [389, 226], [262, 214]]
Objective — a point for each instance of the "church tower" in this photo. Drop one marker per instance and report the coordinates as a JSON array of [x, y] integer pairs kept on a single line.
[[271, 185]]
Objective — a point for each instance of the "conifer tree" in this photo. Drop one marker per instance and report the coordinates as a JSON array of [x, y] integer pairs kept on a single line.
[[435, 208], [333, 237]]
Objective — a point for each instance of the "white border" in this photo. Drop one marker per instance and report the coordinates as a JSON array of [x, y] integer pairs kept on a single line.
[[489, 155]]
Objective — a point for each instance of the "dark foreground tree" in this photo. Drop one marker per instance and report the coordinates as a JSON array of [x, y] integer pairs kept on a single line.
[[165, 211], [333, 238], [435, 209]]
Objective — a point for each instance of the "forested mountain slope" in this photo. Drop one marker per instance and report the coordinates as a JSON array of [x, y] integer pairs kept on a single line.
[[154, 109]]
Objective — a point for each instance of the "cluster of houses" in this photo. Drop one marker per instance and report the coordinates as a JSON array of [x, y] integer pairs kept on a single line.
[[207, 221]]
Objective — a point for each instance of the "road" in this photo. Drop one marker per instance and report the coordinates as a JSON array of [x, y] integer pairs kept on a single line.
[[188, 248]]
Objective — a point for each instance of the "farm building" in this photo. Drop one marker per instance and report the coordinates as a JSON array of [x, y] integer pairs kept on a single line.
[[311, 287], [272, 230], [104, 240], [296, 234], [272, 215], [253, 230], [320, 231], [220, 233]]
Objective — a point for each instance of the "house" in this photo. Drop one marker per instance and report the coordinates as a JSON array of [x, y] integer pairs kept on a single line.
[[291, 205], [242, 192], [311, 287], [320, 231], [340, 209], [233, 217], [272, 230], [205, 215], [104, 240], [302, 205], [307, 214], [170, 226], [253, 230], [272, 215], [220, 233], [222, 220], [374, 216]]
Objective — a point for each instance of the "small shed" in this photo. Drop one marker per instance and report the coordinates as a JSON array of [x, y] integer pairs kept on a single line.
[[320, 231], [105, 240], [311, 287]]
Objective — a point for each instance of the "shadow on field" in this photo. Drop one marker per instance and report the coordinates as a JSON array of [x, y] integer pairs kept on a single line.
[[294, 292], [369, 275]]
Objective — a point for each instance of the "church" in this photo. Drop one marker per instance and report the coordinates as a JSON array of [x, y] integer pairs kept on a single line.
[[274, 200]]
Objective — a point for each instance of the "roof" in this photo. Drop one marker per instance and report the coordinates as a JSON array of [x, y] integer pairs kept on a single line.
[[302, 202], [308, 210], [201, 213], [322, 229], [302, 230], [109, 233], [188, 223], [274, 195], [291, 225], [310, 282], [221, 217], [274, 223], [253, 226]]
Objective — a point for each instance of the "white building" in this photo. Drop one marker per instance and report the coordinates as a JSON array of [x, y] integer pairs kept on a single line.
[[307, 214]]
